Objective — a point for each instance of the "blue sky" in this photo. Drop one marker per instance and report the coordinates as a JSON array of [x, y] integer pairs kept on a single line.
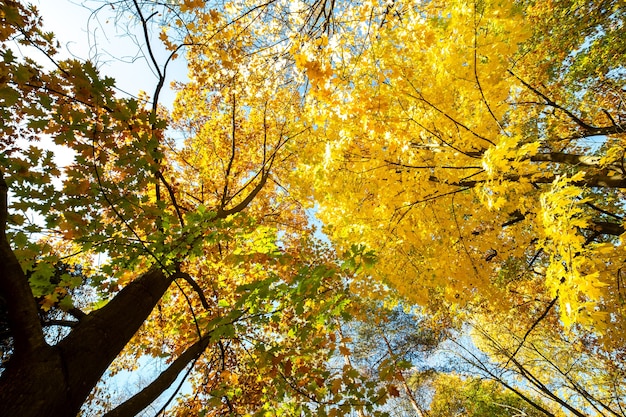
[[102, 38]]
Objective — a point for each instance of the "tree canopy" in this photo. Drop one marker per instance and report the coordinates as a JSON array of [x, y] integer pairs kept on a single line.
[[465, 160]]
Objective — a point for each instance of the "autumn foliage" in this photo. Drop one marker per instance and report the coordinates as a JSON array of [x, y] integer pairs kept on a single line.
[[465, 160]]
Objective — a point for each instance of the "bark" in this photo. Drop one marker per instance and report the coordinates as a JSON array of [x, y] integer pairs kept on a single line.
[[56, 380], [566, 158], [595, 181], [607, 228], [149, 394], [23, 318], [42, 380], [91, 347]]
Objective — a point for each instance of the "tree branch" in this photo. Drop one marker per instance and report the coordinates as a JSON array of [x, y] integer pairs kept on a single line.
[[195, 286], [100, 336], [596, 181], [146, 396], [545, 313], [551, 103], [233, 152], [570, 159], [607, 228], [481, 366], [64, 323], [172, 195], [222, 214]]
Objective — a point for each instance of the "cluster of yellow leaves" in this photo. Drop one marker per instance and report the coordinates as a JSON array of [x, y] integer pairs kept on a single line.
[[429, 145], [400, 130], [578, 272]]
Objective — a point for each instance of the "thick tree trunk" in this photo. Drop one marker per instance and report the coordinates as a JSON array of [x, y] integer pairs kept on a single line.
[[56, 380], [42, 380], [92, 345]]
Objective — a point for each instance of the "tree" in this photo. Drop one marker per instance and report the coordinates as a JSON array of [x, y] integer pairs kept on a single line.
[[568, 370], [476, 147], [456, 396], [208, 262], [393, 345]]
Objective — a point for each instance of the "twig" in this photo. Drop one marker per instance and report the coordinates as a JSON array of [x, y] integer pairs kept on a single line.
[[543, 315]]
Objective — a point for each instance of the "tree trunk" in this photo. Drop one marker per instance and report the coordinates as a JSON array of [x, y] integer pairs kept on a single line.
[[56, 380], [42, 380]]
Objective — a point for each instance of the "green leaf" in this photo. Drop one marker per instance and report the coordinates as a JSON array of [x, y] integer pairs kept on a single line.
[[8, 56], [66, 303], [8, 96], [20, 240]]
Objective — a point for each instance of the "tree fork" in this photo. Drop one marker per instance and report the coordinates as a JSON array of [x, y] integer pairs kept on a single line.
[[56, 380], [42, 380]]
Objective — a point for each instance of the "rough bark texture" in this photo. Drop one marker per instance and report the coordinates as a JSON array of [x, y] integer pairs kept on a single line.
[[14, 287], [42, 380], [101, 335], [56, 380]]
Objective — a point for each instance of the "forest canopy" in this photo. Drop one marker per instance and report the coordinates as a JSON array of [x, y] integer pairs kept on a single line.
[[351, 208]]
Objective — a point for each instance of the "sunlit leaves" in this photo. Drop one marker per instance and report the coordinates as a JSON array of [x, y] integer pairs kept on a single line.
[[447, 148]]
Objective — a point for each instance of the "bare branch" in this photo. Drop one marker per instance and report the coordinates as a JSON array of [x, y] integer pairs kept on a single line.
[[543, 315]]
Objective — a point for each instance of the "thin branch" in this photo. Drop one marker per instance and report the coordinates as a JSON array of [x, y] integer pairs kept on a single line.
[[446, 115], [461, 238], [180, 385], [232, 154], [146, 35], [478, 363], [435, 196], [517, 217], [172, 195], [480, 88], [553, 104], [62, 323], [534, 380], [190, 305], [112, 206], [543, 315], [592, 400], [608, 213]]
